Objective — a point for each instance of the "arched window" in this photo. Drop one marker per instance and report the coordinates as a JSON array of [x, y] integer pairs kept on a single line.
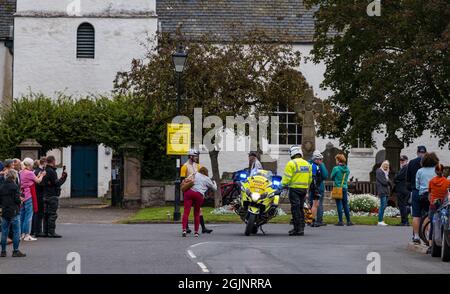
[[85, 41]]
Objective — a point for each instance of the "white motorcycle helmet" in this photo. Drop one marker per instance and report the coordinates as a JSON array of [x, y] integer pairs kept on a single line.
[[294, 150]]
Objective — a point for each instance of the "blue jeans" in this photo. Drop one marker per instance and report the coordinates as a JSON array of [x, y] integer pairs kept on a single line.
[[26, 215], [15, 222], [383, 204], [343, 203]]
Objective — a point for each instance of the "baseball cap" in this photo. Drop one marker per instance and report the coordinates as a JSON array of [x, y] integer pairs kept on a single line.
[[421, 149], [403, 158]]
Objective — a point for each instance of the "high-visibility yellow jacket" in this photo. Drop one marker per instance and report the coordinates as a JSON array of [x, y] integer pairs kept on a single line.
[[297, 174]]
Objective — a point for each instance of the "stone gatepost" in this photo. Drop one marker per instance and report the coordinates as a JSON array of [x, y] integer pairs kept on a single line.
[[393, 147], [131, 175], [29, 148]]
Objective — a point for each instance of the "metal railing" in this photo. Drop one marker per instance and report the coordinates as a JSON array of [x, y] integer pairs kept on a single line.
[[355, 187]]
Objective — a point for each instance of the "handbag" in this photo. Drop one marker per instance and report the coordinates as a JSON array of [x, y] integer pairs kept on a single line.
[[336, 193], [187, 183]]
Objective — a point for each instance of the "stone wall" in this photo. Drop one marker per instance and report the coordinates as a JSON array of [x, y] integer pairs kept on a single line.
[[152, 193]]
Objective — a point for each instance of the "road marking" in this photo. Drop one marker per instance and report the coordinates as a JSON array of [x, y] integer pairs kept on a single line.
[[191, 254], [195, 245], [203, 267]]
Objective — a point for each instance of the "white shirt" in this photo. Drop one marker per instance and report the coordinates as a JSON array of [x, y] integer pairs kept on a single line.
[[203, 183]]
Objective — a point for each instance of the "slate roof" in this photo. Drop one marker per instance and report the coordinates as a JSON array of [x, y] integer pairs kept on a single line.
[[223, 19], [7, 9]]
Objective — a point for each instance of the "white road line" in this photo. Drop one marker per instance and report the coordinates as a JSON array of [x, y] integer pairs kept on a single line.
[[191, 254], [201, 243], [203, 267]]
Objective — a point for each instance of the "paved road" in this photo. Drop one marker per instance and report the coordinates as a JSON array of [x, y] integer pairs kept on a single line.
[[159, 248]]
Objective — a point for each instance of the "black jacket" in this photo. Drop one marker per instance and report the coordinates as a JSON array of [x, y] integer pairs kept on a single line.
[[52, 185], [9, 199], [40, 186], [400, 181], [413, 166]]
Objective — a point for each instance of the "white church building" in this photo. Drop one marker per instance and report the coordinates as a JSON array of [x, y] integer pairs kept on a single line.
[[77, 46]]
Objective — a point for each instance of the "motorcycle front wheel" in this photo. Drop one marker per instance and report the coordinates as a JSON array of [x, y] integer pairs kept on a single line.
[[249, 228]]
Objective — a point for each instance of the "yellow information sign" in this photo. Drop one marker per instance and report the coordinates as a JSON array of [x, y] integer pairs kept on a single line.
[[178, 139]]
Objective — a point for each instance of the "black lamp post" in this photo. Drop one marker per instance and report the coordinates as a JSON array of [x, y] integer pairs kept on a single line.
[[179, 61]]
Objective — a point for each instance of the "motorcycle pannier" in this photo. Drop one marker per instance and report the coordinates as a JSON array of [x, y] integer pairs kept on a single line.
[[336, 193]]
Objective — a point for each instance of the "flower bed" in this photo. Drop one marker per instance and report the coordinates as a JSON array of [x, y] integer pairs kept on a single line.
[[363, 203]]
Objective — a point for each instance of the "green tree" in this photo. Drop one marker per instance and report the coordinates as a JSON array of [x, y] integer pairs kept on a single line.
[[388, 71], [233, 79]]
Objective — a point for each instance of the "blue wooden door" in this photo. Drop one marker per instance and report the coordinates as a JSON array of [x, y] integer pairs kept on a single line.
[[84, 171]]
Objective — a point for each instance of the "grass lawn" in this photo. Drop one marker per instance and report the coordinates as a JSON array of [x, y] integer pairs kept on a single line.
[[164, 215]]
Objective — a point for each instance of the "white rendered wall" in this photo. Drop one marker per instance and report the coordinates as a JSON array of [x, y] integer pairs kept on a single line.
[[3, 52], [45, 54], [87, 6]]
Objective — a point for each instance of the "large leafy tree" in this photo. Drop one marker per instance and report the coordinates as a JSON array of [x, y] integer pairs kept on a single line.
[[240, 78], [390, 71]]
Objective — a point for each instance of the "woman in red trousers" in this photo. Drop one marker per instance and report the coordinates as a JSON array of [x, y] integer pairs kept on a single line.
[[194, 198]]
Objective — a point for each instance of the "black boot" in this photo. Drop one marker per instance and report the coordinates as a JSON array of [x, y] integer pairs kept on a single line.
[[204, 229], [293, 232], [53, 235], [301, 231]]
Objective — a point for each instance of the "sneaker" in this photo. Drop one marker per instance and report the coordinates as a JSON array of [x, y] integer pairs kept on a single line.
[[206, 231], [416, 241], [28, 238], [428, 250], [382, 224], [3, 254], [350, 224], [315, 225], [196, 235], [188, 231], [339, 224], [183, 234], [17, 253]]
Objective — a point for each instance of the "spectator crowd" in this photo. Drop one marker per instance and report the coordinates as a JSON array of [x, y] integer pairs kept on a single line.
[[29, 198]]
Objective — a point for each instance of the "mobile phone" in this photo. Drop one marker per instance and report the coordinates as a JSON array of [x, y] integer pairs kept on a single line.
[[64, 168]]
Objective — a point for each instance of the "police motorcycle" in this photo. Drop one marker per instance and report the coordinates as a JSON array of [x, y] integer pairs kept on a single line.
[[258, 202]]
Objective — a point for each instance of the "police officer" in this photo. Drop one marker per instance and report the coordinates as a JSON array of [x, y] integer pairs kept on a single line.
[[297, 177], [51, 193]]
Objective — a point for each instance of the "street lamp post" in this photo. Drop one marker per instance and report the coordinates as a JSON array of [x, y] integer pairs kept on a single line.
[[179, 61]]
